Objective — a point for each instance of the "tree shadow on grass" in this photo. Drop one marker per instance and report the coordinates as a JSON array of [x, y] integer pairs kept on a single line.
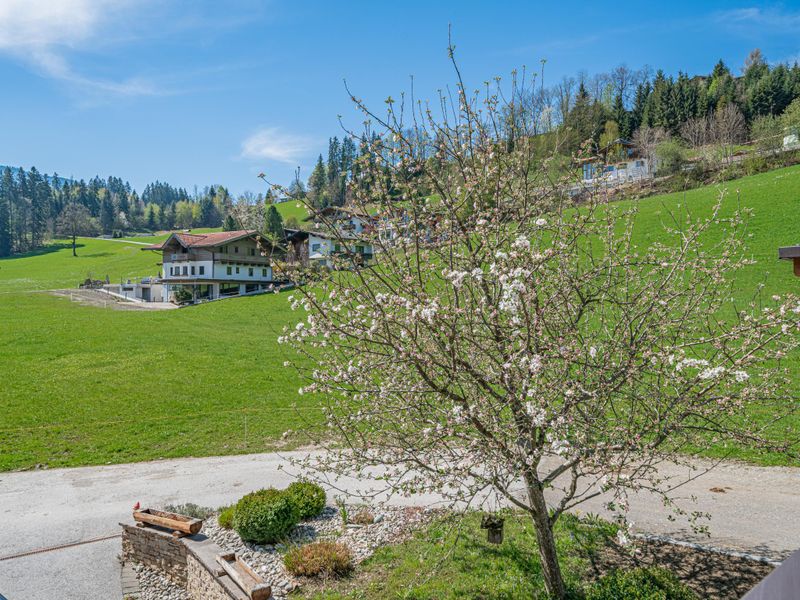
[[44, 250]]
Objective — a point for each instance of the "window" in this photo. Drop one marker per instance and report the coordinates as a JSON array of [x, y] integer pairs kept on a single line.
[[250, 272], [237, 270], [192, 269], [202, 270], [236, 249], [252, 251], [185, 270], [315, 247], [263, 272], [172, 270], [229, 270]]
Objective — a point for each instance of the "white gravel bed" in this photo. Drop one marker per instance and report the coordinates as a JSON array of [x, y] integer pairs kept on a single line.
[[392, 525], [154, 586]]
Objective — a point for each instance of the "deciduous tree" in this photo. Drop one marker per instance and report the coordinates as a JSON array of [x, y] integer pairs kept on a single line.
[[509, 343]]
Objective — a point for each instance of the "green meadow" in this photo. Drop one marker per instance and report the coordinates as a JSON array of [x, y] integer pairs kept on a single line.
[[84, 385]]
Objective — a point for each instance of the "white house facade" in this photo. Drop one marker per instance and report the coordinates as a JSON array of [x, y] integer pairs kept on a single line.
[[214, 265]]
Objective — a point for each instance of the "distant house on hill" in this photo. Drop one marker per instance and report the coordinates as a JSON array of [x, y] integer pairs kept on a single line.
[[618, 162], [331, 232], [215, 265]]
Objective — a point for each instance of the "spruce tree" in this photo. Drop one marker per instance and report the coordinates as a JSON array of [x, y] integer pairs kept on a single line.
[[317, 184], [107, 213], [273, 224], [229, 224], [6, 195]]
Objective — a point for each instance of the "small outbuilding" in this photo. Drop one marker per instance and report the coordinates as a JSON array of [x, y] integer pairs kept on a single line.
[[791, 253]]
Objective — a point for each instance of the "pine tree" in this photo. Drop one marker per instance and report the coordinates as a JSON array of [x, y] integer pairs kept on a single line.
[[273, 224], [639, 103], [621, 117], [229, 224], [317, 184], [39, 206], [152, 217], [334, 171], [6, 198], [107, 213]]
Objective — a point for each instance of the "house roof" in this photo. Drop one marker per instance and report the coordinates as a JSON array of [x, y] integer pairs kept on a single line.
[[205, 240]]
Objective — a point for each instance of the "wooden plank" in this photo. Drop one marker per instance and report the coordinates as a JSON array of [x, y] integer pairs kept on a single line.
[[174, 521], [248, 580]]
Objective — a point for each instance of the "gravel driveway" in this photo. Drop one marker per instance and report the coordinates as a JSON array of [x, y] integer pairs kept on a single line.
[[758, 510]]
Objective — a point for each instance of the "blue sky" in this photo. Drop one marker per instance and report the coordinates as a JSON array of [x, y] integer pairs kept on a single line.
[[199, 92]]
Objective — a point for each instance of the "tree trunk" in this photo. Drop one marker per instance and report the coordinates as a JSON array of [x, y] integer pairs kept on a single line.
[[553, 581], [73, 246]]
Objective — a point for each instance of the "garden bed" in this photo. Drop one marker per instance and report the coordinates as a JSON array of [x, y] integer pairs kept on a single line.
[[392, 525], [430, 554]]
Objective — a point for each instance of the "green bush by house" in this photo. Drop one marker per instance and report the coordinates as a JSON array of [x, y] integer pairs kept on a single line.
[[265, 516], [308, 498]]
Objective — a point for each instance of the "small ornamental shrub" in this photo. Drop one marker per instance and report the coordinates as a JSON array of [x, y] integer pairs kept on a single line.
[[308, 498], [190, 510], [319, 559], [363, 517], [264, 516], [225, 517], [640, 584]]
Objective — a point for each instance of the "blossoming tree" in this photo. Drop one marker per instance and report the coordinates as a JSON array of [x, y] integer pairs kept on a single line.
[[511, 339]]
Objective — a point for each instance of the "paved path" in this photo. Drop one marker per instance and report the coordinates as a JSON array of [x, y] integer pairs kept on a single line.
[[759, 511]]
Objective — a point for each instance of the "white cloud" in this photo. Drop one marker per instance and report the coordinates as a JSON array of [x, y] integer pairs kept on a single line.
[[40, 33], [770, 18], [270, 143]]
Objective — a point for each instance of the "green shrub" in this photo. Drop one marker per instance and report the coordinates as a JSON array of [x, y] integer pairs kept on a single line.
[[308, 498], [190, 510], [264, 516], [640, 584], [225, 517], [671, 157], [319, 559]]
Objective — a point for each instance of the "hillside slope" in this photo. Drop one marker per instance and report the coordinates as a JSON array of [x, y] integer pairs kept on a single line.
[[86, 385]]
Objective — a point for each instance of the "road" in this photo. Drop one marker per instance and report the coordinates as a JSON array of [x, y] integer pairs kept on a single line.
[[759, 511]]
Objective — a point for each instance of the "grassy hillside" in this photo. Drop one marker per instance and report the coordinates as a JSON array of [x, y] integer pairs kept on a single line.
[[297, 210], [89, 385], [54, 266]]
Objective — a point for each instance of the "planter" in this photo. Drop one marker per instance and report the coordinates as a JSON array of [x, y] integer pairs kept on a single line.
[[494, 528], [248, 580], [178, 523]]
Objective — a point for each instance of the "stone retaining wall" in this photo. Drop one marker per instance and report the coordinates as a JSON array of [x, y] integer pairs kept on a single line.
[[157, 549], [189, 561]]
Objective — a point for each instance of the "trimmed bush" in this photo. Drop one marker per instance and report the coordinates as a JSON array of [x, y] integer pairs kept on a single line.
[[319, 559], [649, 583], [225, 517], [308, 498], [264, 516]]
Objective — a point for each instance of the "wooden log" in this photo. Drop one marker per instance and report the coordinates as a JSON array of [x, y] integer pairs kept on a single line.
[[174, 521], [248, 580]]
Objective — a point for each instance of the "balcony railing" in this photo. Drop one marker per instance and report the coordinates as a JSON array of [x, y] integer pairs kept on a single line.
[[242, 258]]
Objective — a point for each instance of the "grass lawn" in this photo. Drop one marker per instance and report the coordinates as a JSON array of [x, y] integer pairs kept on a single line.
[[292, 208], [444, 562], [85, 385]]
